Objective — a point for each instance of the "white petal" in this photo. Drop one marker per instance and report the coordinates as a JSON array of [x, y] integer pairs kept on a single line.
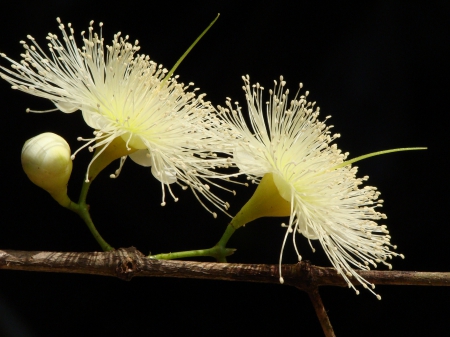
[[67, 107], [141, 157], [306, 230], [134, 141], [284, 188], [94, 119], [250, 163], [166, 175]]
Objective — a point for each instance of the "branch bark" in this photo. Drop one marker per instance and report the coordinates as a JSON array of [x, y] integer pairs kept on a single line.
[[321, 312], [126, 263]]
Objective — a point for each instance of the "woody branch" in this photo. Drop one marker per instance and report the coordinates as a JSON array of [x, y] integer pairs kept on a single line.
[[126, 263]]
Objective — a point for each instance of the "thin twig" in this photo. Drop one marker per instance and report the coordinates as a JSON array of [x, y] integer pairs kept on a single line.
[[321, 312]]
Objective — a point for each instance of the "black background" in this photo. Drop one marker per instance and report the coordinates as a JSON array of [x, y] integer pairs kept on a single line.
[[379, 68]]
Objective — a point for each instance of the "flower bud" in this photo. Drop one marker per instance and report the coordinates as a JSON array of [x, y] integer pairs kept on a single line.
[[46, 161]]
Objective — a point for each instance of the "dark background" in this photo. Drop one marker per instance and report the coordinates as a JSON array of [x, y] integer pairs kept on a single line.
[[380, 69]]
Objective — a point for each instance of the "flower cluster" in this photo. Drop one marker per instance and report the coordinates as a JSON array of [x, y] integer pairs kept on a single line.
[[139, 110], [287, 141], [123, 95]]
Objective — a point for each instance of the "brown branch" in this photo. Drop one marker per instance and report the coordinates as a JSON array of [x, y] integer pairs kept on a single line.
[[129, 262], [126, 263], [321, 312]]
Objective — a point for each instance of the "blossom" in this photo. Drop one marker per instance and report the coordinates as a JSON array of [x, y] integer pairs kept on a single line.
[[130, 102], [290, 148]]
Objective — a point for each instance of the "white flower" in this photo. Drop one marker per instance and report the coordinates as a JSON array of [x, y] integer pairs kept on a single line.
[[289, 143], [123, 95]]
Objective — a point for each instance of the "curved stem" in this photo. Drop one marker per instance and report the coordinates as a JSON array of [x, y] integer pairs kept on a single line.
[[219, 251], [226, 236], [266, 201], [82, 209]]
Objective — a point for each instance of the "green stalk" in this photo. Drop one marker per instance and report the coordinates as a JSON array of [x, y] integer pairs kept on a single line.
[[373, 154], [266, 201], [170, 73], [82, 209], [219, 251]]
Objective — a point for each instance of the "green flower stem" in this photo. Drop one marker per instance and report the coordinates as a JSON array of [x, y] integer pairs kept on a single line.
[[213, 252], [82, 209], [266, 201], [226, 236], [219, 251]]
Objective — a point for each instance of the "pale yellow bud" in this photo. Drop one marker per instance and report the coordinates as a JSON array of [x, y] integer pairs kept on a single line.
[[46, 161]]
